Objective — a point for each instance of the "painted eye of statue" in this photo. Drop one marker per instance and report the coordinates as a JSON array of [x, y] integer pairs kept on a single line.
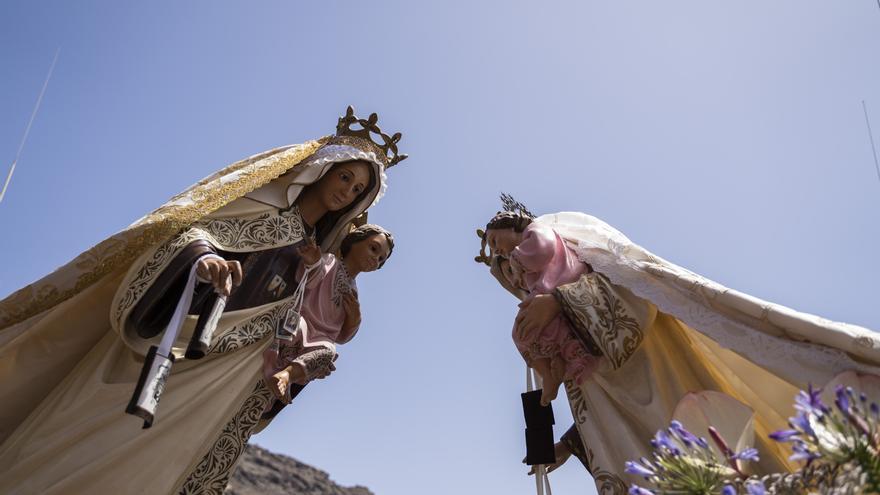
[[344, 177]]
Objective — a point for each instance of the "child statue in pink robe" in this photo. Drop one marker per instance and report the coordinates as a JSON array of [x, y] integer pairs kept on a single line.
[[330, 309], [540, 263]]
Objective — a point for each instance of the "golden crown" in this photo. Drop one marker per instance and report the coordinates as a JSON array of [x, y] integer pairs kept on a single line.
[[363, 137], [483, 257]]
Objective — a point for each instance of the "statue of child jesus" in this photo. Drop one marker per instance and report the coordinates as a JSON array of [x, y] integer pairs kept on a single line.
[[537, 260], [330, 309]]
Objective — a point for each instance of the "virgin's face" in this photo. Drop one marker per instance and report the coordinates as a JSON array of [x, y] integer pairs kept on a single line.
[[502, 241], [341, 185], [369, 253]]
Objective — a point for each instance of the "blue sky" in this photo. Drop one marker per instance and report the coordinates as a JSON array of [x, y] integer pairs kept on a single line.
[[727, 137]]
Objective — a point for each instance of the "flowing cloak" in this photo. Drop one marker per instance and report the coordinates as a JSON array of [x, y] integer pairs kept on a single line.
[[69, 359], [675, 345]]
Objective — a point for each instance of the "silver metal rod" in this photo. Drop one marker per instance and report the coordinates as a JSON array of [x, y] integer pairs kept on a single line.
[[871, 137], [27, 130]]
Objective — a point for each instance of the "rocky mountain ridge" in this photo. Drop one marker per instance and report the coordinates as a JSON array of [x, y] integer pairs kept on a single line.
[[260, 472]]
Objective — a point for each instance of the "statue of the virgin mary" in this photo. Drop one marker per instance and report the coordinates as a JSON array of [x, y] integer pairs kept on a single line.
[[674, 345], [72, 345]]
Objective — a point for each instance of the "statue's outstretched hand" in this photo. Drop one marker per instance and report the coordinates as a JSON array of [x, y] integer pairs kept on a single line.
[[222, 274]]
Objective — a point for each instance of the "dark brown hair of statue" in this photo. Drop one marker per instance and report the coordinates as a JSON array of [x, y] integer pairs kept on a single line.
[[365, 232], [509, 220]]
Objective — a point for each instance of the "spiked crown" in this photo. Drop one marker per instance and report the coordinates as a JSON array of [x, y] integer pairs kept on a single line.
[[362, 137]]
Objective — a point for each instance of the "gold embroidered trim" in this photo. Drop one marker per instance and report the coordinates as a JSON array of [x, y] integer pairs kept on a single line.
[[143, 278], [592, 305], [122, 248], [211, 474]]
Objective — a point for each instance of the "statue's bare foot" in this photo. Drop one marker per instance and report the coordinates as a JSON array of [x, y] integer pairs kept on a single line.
[[278, 384], [550, 391]]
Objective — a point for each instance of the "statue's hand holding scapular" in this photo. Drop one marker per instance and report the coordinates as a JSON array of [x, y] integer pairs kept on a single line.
[[218, 272], [309, 252]]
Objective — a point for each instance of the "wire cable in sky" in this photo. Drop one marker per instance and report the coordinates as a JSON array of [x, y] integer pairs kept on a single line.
[[871, 137], [27, 130]]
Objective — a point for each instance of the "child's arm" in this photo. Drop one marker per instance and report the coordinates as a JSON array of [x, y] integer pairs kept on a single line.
[[535, 251], [318, 265], [309, 252]]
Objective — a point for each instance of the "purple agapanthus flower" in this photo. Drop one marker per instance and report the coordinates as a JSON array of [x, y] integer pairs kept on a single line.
[[842, 398], [784, 435], [750, 454], [810, 401], [802, 452], [686, 437], [755, 488], [662, 439], [633, 467], [728, 490], [637, 490], [802, 422]]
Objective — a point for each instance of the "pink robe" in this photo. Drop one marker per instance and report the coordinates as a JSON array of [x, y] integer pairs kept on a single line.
[[548, 263], [324, 314]]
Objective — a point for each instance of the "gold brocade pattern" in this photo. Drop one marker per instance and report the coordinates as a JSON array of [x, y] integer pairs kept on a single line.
[[253, 330], [577, 403], [119, 250], [594, 309], [212, 473], [606, 481], [144, 277]]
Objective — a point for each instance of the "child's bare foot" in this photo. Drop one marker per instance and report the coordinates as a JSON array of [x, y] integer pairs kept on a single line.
[[278, 384], [550, 390]]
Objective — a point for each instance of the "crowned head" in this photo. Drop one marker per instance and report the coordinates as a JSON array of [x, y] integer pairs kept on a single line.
[[366, 135], [504, 231]]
